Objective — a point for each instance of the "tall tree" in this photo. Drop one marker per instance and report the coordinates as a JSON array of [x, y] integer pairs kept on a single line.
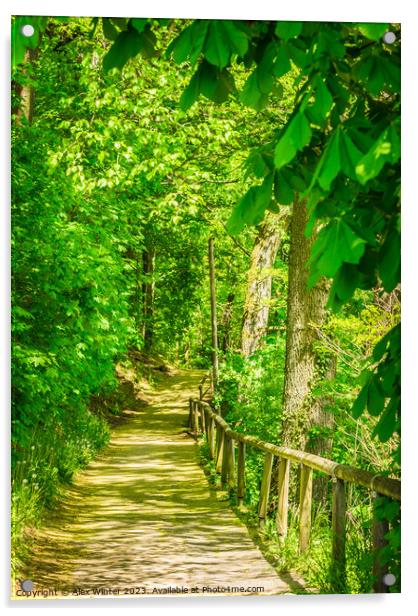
[[305, 310], [258, 294]]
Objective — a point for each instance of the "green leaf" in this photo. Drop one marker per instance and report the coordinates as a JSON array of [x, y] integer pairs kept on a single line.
[[211, 82], [329, 166], [127, 46], [250, 210], [189, 43], [360, 403], [109, 29], [224, 38], [265, 69], [345, 282], [282, 64], [390, 260], [191, 93], [120, 22], [288, 29], [214, 84], [378, 72], [336, 244], [297, 135], [236, 37], [139, 24], [299, 53], [256, 164], [388, 423], [340, 155], [381, 347], [284, 191], [375, 397], [349, 155], [319, 110], [373, 31], [251, 96], [217, 50], [387, 148]]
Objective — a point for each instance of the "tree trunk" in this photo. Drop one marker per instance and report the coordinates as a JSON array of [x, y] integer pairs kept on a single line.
[[320, 443], [225, 324], [258, 296], [148, 288], [305, 310], [26, 91]]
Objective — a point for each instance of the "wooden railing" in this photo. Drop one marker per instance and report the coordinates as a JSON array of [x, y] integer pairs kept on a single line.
[[223, 442]]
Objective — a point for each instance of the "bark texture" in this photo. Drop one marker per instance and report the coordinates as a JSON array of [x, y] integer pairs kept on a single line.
[[26, 92], [258, 295], [322, 418], [305, 311]]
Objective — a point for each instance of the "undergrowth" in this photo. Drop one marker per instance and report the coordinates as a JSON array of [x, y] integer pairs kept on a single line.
[[315, 565]]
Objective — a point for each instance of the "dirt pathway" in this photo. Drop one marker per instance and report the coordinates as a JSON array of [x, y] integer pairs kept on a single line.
[[142, 517]]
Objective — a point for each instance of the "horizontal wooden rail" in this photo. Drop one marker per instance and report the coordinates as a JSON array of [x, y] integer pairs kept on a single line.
[[378, 483], [222, 440]]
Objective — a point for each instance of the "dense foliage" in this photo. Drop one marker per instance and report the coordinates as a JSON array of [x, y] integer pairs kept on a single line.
[[121, 173]]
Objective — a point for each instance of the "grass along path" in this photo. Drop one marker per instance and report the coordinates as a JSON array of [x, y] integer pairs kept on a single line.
[[143, 516]]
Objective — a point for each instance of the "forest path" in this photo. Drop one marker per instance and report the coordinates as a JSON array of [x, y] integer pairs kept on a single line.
[[142, 515]]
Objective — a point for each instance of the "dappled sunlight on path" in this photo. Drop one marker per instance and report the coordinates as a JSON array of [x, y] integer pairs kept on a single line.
[[143, 515]]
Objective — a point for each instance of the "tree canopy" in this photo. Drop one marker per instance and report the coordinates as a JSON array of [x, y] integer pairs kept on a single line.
[[137, 140]]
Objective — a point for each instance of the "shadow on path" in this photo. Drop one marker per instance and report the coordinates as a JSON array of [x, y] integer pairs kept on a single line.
[[143, 515]]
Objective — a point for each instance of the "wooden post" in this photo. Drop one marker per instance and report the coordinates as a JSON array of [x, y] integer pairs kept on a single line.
[[379, 530], [241, 474], [338, 534], [231, 464], [190, 414], [195, 420], [202, 416], [220, 447], [200, 391], [211, 437], [305, 507], [207, 422], [215, 365], [225, 461], [265, 489], [283, 497]]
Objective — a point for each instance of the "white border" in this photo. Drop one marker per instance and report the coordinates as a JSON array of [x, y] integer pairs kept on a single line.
[[319, 10]]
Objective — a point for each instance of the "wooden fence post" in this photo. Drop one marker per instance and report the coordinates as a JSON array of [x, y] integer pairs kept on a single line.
[[211, 437], [241, 473], [219, 447], [195, 420], [379, 530], [202, 416], [305, 507], [231, 464], [265, 489], [283, 497], [190, 414], [207, 427], [338, 534], [225, 460]]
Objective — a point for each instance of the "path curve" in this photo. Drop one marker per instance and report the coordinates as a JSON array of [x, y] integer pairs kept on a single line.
[[142, 516]]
